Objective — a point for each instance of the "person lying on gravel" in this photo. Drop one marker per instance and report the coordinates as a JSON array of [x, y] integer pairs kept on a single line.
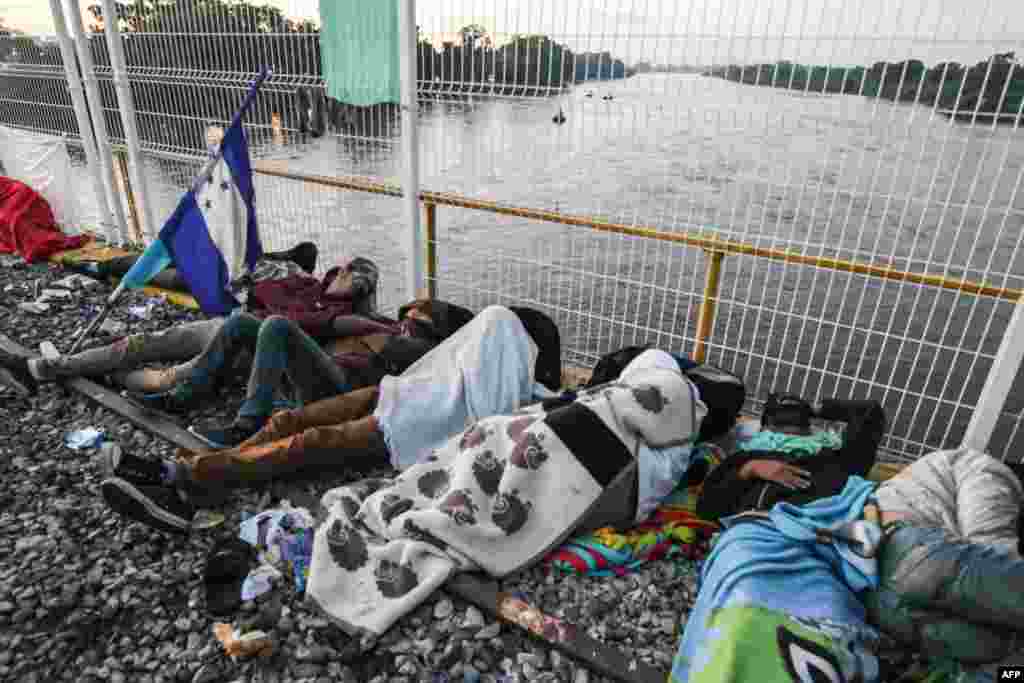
[[486, 368], [361, 351], [310, 303], [785, 461], [931, 558]]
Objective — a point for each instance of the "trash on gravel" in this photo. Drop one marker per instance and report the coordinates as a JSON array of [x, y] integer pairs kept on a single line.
[[54, 294], [260, 581], [207, 519], [75, 281], [34, 307], [284, 538], [237, 646], [90, 437], [113, 327]]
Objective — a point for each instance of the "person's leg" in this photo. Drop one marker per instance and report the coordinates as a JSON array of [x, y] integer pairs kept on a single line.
[[175, 344], [239, 331], [324, 413], [356, 442], [283, 348], [925, 571]]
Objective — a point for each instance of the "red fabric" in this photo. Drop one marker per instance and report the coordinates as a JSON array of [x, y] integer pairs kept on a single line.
[[303, 300], [27, 226]]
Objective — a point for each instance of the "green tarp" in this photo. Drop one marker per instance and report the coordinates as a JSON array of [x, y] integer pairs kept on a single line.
[[359, 50]]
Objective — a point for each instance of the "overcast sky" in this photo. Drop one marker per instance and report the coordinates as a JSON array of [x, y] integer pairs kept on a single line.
[[709, 31]]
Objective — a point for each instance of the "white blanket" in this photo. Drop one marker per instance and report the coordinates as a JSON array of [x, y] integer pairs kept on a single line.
[[496, 497], [484, 369]]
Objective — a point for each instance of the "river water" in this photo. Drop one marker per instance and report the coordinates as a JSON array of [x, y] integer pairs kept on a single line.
[[832, 175]]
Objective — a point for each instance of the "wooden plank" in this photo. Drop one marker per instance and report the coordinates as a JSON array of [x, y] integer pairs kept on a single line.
[[561, 635], [150, 420]]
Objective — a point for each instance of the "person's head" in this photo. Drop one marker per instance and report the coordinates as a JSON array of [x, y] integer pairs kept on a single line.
[[444, 319], [787, 414]]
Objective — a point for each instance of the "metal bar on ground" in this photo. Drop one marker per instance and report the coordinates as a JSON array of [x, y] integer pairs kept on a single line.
[[96, 109], [431, 210], [410, 145], [998, 383], [707, 243], [480, 591], [155, 422], [126, 106], [74, 78], [556, 633], [706, 322]]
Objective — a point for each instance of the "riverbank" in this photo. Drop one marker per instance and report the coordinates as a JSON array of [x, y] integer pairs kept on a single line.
[[990, 91]]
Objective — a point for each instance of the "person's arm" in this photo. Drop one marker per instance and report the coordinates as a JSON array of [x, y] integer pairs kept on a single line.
[[728, 488], [359, 326], [865, 426]]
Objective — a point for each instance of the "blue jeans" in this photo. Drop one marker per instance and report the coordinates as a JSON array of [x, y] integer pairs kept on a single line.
[[948, 597]]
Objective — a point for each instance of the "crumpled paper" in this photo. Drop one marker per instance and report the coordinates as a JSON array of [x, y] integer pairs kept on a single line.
[[237, 646]]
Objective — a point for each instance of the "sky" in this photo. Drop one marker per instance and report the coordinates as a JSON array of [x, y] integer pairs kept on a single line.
[[840, 32]]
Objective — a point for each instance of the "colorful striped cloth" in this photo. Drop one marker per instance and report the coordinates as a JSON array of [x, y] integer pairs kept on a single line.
[[673, 531]]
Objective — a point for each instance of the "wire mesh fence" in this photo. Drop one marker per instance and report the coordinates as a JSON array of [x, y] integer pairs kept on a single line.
[[865, 132]]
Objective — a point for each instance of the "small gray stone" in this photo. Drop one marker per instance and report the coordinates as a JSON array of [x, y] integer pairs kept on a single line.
[[473, 619], [489, 632], [443, 609]]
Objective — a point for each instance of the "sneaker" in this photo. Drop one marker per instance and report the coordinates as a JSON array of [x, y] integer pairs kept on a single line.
[[114, 462], [160, 507], [15, 374], [164, 402], [230, 436]]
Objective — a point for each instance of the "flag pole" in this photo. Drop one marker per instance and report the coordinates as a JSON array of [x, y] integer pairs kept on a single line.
[[91, 328]]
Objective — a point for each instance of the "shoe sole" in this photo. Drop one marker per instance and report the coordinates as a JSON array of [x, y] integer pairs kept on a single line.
[[129, 502], [7, 378]]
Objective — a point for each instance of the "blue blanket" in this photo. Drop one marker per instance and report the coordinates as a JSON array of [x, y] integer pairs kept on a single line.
[[776, 605]]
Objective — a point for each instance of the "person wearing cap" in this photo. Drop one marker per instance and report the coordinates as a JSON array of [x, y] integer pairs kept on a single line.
[[787, 462], [488, 367]]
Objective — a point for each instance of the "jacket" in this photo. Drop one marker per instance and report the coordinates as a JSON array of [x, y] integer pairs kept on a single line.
[[725, 493]]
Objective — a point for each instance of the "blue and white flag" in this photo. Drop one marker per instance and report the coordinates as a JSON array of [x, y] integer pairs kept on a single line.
[[212, 237]]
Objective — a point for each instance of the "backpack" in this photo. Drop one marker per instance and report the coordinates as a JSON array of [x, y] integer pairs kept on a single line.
[[722, 392], [544, 332]]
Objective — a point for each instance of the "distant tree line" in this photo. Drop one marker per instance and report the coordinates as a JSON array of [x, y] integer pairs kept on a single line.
[[990, 89], [181, 52]]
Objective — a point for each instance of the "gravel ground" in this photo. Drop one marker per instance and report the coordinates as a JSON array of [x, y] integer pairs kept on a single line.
[[87, 597]]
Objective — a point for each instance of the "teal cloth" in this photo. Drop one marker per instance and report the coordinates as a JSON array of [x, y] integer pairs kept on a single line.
[[792, 444], [359, 50]]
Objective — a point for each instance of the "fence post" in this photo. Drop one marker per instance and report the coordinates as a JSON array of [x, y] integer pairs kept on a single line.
[[129, 193], [706, 321], [410, 145], [998, 383], [67, 54], [99, 122], [126, 105], [431, 208]]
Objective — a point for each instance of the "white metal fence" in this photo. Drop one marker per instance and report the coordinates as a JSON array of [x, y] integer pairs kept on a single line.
[[863, 133]]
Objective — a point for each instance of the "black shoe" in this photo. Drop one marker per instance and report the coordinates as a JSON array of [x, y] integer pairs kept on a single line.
[[164, 402], [14, 373], [230, 436], [139, 471], [160, 507]]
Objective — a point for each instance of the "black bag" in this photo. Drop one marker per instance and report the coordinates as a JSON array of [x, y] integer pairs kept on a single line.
[[544, 332]]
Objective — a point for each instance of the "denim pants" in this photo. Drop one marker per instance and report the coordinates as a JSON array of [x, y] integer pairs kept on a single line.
[[948, 597], [122, 359], [280, 348]]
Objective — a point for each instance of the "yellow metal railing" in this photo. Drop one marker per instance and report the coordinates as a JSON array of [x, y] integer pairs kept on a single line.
[[714, 248]]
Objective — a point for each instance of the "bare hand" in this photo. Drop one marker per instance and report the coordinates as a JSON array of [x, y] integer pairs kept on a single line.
[[784, 474]]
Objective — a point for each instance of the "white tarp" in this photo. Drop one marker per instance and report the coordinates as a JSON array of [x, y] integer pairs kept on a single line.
[[42, 162]]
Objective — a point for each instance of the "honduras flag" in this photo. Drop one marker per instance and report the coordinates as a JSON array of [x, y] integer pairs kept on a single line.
[[212, 236]]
